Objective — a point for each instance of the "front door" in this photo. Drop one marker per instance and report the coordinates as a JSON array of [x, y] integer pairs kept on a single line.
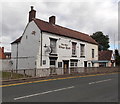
[[65, 66], [85, 63]]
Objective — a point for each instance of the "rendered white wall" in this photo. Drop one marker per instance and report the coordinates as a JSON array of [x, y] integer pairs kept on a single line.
[[28, 48], [66, 54], [13, 55]]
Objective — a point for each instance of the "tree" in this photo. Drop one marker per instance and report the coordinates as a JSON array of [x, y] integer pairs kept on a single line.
[[103, 40], [117, 58]]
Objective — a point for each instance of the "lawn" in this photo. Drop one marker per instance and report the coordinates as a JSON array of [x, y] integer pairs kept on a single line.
[[7, 75]]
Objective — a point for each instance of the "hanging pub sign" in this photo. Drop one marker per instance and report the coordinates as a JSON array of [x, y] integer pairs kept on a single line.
[[64, 46]]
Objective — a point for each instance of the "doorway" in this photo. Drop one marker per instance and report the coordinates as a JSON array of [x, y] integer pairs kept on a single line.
[[66, 66], [85, 63]]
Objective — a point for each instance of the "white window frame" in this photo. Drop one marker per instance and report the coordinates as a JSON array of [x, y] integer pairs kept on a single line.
[[75, 64], [54, 47], [74, 49], [82, 50], [53, 66]]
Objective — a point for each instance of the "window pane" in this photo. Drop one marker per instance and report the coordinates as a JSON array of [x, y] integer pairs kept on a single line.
[[92, 53], [44, 62], [73, 48], [52, 62], [59, 64], [76, 64], [72, 64], [82, 49], [53, 45]]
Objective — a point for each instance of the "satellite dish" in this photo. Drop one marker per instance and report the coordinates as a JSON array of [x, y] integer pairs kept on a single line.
[[48, 49]]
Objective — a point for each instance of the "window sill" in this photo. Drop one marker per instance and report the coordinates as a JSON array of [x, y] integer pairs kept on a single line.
[[74, 56], [82, 56], [53, 54]]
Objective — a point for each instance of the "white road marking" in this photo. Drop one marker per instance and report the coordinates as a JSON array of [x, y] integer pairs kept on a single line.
[[100, 81], [22, 97]]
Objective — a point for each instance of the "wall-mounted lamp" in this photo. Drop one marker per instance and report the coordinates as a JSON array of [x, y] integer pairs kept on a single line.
[[59, 38]]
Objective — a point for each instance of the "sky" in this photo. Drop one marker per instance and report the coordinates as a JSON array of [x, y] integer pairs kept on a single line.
[[87, 16]]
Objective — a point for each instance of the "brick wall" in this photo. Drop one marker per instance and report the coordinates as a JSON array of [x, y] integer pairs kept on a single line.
[[2, 55]]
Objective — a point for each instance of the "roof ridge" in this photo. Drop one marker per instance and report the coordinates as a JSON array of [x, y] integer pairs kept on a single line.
[[63, 27]]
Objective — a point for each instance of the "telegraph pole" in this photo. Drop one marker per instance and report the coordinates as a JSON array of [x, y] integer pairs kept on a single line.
[[114, 42]]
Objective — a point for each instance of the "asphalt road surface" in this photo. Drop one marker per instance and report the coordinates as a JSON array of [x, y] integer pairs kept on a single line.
[[100, 88]]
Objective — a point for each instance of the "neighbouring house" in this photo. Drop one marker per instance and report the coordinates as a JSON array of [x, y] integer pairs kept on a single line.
[[106, 59], [7, 55], [2, 54], [47, 45], [5, 60]]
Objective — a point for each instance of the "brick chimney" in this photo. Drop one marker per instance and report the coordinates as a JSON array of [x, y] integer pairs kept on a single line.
[[52, 20], [2, 49], [2, 55], [32, 14]]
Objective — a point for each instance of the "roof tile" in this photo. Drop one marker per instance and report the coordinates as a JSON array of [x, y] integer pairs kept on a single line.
[[59, 30], [56, 29], [105, 55]]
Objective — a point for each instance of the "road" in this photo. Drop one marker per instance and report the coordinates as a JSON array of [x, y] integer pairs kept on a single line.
[[99, 88]]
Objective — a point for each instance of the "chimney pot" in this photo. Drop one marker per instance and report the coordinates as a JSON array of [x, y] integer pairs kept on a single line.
[[52, 20], [32, 7]]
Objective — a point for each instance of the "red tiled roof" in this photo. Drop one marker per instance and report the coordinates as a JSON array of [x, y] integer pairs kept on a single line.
[[51, 28], [59, 30], [17, 40], [105, 55]]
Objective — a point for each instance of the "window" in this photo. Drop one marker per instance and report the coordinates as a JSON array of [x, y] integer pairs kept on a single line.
[[89, 65], [52, 63], [73, 48], [103, 64], [73, 63], [59, 64], [44, 62], [82, 50], [53, 45], [92, 53]]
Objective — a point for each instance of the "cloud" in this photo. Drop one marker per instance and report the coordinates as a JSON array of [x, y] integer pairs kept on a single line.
[[84, 16]]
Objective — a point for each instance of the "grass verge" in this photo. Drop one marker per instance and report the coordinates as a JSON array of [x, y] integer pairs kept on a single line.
[[7, 75]]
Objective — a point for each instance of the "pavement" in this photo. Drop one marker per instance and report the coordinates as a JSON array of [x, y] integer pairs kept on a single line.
[[88, 88]]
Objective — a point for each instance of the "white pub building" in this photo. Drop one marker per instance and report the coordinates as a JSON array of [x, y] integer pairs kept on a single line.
[[46, 44]]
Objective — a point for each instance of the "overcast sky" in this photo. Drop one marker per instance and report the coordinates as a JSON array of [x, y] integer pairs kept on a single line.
[[86, 16]]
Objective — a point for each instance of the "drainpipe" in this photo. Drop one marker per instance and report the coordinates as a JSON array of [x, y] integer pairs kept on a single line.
[[41, 50], [17, 59]]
